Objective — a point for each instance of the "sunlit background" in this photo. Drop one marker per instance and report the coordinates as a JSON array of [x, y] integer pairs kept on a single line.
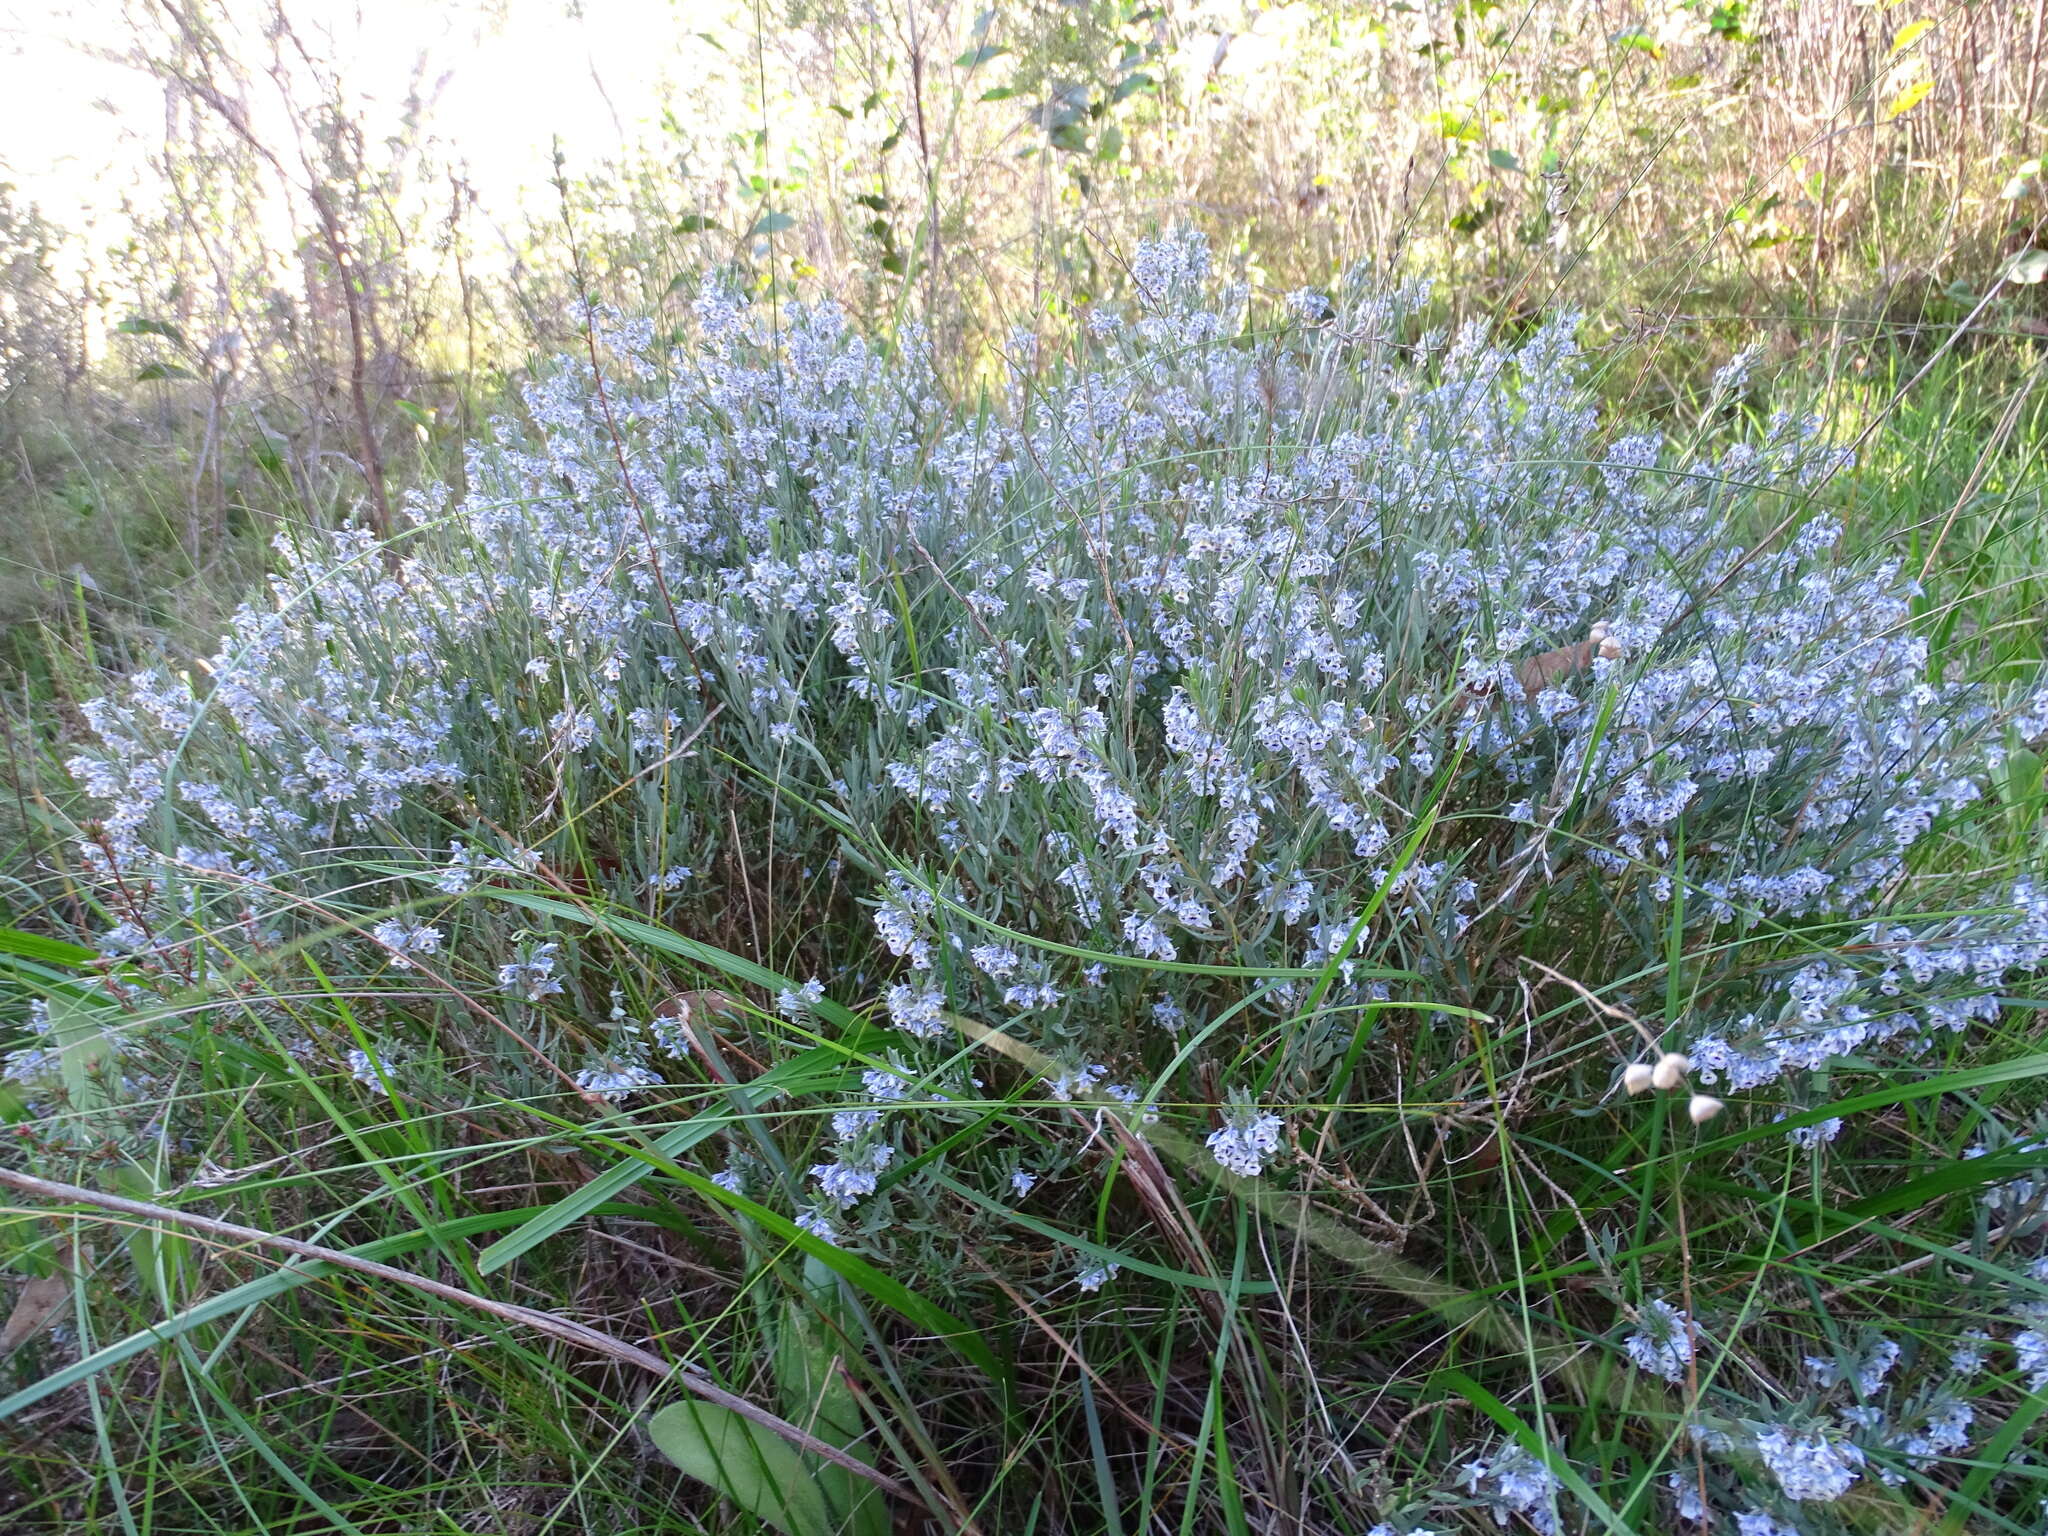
[[498, 88]]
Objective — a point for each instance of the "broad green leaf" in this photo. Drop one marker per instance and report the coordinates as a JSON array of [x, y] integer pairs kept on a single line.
[[744, 1463], [33, 946], [807, 1346], [140, 325], [1460, 126], [2019, 777], [810, 1339]]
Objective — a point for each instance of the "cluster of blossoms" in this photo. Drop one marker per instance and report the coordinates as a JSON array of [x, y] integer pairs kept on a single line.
[[853, 1174], [1875, 1408], [862, 1153], [1932, 979], [405, 939], [1810, 1464], [533, 978], [1246, 1139], [1512, 1483], [1663, 1341]]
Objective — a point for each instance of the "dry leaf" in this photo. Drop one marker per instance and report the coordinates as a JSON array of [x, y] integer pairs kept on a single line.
[[40, 1301], [688, 1005], [1552, 667]]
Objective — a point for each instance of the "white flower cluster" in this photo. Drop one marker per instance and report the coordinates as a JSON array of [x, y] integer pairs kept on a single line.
[[1662, 1343], [1246, 1139], [1888, 1420], [1511, 1483], [1810, 1464]]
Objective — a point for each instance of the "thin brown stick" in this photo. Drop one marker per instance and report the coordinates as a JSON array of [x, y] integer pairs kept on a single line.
[[568, 1331]]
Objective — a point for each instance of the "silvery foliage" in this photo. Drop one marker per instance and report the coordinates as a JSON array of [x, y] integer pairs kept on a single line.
[[1160, 656], [1197, 626], [1874, 1406]]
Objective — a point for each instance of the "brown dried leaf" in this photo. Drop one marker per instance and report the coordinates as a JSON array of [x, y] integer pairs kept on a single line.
[[1551, 667], [40, 1301], [689, 1005]]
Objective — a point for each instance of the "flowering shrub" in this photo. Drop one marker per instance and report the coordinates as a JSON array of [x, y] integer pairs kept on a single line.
[[1238, 693]]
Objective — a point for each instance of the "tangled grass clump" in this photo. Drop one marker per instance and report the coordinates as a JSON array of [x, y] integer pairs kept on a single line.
[[1249, 790]]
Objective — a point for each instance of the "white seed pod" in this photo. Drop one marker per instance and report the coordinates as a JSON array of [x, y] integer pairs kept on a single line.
[[1636, 1077], [1703, 1108], [1670, 1070]]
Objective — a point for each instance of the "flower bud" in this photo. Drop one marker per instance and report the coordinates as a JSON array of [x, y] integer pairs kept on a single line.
[[1636, 1077], [1703, 1108], [1670, 1070]]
